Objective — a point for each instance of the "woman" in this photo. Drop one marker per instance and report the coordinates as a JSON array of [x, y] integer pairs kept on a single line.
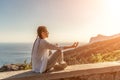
[[41, 60]]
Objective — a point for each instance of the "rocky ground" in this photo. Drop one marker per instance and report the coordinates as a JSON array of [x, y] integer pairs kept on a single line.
[[14, 67]]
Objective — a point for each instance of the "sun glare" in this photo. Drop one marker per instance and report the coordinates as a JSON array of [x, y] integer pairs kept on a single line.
[[112, 16]]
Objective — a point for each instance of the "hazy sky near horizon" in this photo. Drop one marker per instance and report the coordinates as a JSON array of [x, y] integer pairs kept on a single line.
[[66, 20]]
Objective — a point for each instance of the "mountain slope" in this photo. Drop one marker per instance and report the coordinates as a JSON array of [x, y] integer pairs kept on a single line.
[[93, 48]]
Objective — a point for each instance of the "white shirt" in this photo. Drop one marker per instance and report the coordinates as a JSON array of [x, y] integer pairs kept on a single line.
[[40, 54]]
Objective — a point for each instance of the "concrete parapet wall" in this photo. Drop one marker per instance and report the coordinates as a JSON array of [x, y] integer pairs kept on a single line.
[[97, 71]]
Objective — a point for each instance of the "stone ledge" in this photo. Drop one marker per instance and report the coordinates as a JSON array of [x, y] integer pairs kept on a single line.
[[70, 71]]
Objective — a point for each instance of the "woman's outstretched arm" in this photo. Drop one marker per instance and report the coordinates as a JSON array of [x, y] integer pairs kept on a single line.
[[74, 45]]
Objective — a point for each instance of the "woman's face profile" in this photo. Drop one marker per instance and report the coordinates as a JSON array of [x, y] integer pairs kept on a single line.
[[45, 33]]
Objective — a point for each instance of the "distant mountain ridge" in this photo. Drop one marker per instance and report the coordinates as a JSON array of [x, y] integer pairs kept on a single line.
[[100, 37]]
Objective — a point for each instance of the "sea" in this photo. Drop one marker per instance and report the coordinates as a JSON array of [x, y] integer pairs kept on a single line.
[[12, 53]]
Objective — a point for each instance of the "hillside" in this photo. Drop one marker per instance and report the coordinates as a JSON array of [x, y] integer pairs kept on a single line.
[[86, 51]]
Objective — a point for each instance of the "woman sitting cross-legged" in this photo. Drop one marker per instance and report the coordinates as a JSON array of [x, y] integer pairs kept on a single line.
[[41, 59]]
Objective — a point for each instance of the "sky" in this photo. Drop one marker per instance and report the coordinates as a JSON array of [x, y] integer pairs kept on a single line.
[[66, 20]]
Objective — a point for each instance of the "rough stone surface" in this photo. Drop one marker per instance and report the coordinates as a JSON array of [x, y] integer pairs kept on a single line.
[[107, 76], [94, 77], [117, 76]]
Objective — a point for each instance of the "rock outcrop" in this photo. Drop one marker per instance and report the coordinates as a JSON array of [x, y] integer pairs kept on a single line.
[[14, 67]]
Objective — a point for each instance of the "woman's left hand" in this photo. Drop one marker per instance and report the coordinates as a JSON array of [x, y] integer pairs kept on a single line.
[[75, 44]]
